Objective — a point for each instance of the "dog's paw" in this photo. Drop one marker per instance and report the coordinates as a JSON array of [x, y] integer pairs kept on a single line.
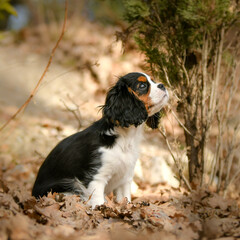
[[96, 202]]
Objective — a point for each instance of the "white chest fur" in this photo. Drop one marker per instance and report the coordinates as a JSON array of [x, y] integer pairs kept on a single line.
[[118, 164]]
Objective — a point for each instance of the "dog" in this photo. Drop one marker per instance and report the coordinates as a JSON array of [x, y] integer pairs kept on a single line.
[[101, 159]]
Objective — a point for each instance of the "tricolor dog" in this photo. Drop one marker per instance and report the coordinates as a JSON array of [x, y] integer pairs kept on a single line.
[[101, 159]]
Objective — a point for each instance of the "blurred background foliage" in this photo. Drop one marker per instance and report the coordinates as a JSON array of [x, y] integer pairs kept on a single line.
[[6, 7], [32, 12]]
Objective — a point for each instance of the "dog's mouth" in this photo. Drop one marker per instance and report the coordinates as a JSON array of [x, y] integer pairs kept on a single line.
[[164, 96], [163, 101], [156, 107]]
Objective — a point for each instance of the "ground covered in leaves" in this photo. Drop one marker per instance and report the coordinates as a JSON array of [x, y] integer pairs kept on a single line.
[[158, 211]]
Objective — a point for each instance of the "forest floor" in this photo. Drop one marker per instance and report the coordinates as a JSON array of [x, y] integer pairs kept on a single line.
[[76, 84]]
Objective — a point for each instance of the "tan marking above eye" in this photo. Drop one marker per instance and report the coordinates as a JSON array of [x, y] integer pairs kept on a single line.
[[142, 79]]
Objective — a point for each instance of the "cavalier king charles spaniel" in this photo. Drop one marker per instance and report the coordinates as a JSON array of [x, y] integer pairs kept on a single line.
[[101, 159]]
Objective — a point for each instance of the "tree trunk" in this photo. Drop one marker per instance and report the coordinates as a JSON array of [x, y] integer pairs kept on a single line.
[[194, 163]]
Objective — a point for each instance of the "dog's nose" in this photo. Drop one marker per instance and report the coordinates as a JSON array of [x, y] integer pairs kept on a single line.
[[161, 86]]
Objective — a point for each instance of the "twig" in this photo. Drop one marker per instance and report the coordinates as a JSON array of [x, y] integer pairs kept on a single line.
[[215, 81], [203, 94], [235, 176], [184, 70], [181, 175], [233, 147], [166, 75], [182, 125], [75, 112], [24, 105]]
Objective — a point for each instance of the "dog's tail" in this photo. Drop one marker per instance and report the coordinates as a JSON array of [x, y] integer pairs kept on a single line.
[[66, 186]]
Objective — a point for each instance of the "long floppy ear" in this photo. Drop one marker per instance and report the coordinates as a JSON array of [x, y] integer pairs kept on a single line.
[[122, 108], [153, 121]]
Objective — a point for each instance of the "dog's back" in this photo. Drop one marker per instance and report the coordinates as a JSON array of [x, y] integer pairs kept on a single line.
[[74, 157]]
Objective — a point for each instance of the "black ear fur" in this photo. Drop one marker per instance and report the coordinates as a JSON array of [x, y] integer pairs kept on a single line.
[[153, 120], [122, 108]]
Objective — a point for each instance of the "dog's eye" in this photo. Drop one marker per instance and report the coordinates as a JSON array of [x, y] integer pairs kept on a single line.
[[142, 86]]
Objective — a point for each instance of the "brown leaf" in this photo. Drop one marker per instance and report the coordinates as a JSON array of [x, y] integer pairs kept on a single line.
[[19, 228], [64, 231], [49, 211], [154, 215], [217, 227], [217, 201]]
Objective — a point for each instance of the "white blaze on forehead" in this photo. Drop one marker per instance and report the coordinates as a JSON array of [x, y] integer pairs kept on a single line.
[[153, 84]]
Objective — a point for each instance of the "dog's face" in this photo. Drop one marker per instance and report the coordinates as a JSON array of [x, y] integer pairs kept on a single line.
[[134, 99]]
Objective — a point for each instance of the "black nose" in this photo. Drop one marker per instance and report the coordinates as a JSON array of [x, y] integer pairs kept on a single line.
[[161, 86]]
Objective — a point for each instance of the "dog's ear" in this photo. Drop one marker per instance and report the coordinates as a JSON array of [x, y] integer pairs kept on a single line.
[[122, 108], [153, 121]]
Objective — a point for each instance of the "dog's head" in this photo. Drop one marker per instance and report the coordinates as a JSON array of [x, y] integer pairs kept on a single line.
[[134, 99]]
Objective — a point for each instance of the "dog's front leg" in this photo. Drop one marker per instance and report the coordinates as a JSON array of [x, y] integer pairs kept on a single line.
[[123, 191], [96, 193]]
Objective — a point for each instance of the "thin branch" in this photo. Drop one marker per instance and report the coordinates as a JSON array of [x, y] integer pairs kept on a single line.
[[182, 125], [231, 152], [75, 111], [215, 82], [184, 70], [181, 175], [203, 94], [33, 93], [166, 75], [235, 176]]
